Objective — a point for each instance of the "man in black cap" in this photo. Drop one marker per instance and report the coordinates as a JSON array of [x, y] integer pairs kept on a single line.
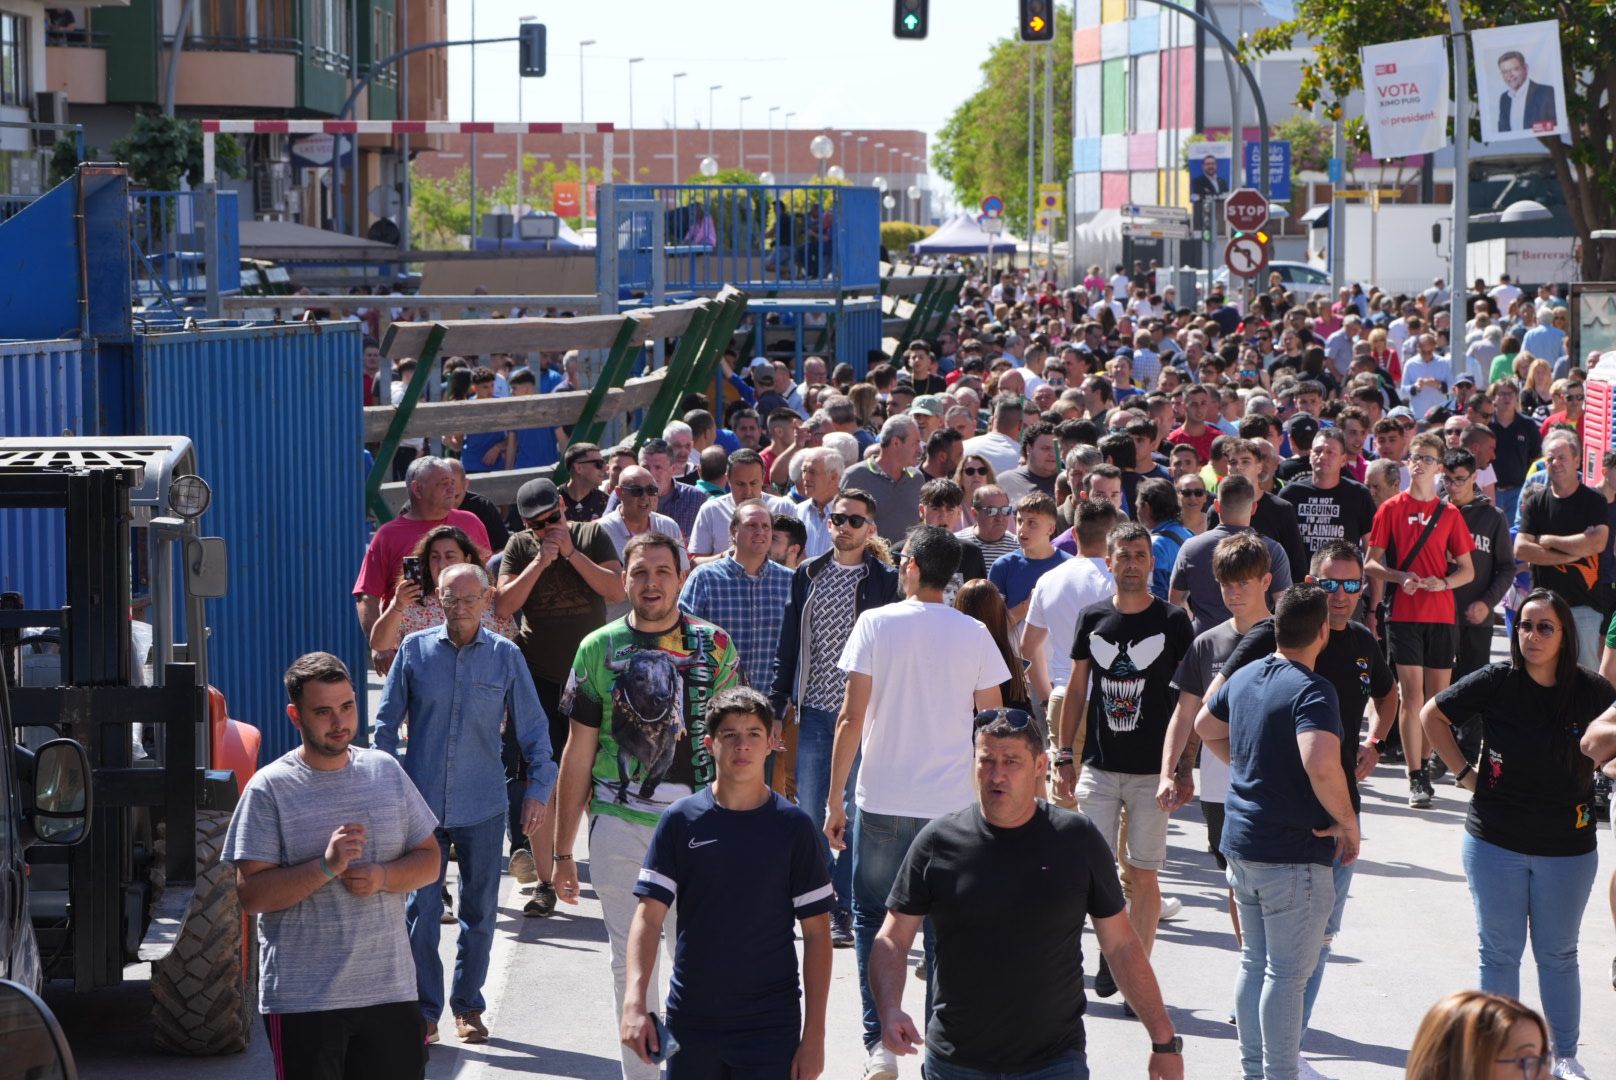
[[1300, 431], [560, 575]]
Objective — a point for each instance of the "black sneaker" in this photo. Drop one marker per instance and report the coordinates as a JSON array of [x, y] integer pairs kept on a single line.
[[543, 904], [1104, 985], [1435, 767], [447, 918], [841, 929], [1419, 795]]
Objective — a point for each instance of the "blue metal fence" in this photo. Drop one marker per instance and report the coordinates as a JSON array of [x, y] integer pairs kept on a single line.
[[42, 393], [168, 231], [273, 411], [779, 238]]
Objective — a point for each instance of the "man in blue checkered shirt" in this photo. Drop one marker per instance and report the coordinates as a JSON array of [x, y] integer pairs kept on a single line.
[[744, 592]]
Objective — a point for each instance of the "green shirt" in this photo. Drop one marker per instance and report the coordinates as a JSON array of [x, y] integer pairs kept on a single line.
[[647, 694]]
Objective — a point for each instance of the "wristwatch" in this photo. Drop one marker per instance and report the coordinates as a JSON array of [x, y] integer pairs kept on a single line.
[[1377, 745], [1175, 1045]]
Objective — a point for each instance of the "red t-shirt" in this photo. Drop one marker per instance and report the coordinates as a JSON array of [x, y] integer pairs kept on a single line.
[[1201, 442], [1559, 418], [1397, 528], [385, 556]]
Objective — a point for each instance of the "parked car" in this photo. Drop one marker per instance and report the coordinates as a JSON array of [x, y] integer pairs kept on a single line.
[[1304, 281]]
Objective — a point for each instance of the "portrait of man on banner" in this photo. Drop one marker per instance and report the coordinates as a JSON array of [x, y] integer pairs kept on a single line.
[[1520, 83]]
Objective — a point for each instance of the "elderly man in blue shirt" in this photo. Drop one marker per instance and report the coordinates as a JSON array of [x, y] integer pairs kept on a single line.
[[457, 683]]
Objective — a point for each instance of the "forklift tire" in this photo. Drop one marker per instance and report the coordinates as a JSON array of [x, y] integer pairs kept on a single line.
[[204, 998]]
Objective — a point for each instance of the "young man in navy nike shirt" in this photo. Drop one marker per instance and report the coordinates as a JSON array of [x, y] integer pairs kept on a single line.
[[741, 863]]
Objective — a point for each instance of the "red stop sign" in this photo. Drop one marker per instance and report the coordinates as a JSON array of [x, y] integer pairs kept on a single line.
[[1245, 210]]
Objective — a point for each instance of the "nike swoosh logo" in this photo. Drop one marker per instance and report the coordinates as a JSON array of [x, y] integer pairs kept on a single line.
[[694, 844]]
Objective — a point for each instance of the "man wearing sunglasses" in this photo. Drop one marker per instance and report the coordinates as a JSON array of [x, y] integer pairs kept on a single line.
[[828, 594], [1049, 870], [1352, 663], [582, 498], [635, 513]]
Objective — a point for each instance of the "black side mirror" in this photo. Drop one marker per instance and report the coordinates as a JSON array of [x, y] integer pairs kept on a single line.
[[35, 1046], [61, 798]]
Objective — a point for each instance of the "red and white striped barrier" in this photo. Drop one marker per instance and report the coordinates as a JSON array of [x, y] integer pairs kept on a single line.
[[396, 127]]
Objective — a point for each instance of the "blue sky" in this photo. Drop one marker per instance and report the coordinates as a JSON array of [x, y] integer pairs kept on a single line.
[[834, 63]]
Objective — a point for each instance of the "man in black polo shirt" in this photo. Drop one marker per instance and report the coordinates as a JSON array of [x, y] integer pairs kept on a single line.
[[1519, 444], [1007, 884]]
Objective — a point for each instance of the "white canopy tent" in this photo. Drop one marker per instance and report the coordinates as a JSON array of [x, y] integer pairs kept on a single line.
[[963, 235]]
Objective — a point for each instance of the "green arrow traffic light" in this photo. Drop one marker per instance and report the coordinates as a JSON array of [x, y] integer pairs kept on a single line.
[[909, 19]]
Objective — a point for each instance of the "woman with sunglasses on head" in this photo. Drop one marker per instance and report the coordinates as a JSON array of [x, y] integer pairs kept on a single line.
[[1529, 846], [1474, 1035]]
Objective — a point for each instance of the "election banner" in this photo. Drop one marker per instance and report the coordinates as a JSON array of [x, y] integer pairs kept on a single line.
[[1520, 83], [1406, 96]]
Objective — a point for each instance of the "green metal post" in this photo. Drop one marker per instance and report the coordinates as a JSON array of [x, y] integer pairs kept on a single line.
[[619, 361], [401, 420], [719, 333], [918, 318], [680, 364]]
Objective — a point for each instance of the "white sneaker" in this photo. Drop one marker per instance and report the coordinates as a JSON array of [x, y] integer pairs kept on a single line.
[[1171, 906], [882, 1064], [1569, 1069], [1306, 1071]]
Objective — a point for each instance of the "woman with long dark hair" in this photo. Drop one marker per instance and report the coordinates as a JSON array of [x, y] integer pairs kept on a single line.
[[1529, 849], [980, 600]]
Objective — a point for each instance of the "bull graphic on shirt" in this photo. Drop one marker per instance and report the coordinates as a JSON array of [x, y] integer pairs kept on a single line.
[[647, 715], [1122, 678]]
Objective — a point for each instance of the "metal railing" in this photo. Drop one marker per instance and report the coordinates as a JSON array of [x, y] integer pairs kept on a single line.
[[759, 237], [238, 43], [168, 228], [76, 39]]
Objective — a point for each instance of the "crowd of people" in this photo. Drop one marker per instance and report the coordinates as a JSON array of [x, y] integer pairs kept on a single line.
[[936, 651]]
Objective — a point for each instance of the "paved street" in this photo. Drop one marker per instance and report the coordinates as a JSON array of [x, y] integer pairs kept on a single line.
[[1408, 939]]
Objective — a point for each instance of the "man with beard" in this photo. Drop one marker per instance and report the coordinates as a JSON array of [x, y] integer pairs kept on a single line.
[[828, 594], [1124, 654], [636, 698], [313, 858]]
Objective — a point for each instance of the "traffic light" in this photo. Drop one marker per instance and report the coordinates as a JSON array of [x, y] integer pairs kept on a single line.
[[909, 19], [1037, 20], [531, 37]]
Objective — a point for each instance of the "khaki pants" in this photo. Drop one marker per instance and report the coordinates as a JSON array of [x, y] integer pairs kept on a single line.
[[783, 778]]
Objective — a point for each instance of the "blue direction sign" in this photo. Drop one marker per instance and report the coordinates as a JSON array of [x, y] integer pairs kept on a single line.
[[1279, 168], [993, 206]]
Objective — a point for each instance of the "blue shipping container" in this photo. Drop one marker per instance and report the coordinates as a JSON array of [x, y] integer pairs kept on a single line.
[[275, 414], [42, 394]]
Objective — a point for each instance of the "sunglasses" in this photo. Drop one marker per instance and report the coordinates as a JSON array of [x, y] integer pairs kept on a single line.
[[1192, 493], [1350, 586], [995, 511], [1016, 718], [635, 491], [858, 521], [543, 523], [1573, 397], [596, 462], [1544, 629], [976, 470]]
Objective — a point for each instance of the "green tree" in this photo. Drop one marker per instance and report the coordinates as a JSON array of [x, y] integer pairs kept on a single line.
[[1586, 168], [159, 150], [982, 149], [440, 209]]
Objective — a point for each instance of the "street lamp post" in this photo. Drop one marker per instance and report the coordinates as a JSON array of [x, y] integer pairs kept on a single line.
[[521, 87], [583, 146], [740, 119], [822, 149], [676, 77], [785, 137], [633, 175], [772, 110], [710, 91]]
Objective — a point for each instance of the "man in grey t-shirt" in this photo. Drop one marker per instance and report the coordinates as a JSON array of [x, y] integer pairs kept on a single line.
[[327, 841]]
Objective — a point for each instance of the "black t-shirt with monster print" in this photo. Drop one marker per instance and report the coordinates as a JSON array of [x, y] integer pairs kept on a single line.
[[1131, 662]]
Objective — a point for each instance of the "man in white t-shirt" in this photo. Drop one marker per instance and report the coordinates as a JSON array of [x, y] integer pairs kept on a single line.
[[1059, 597], [917, 673], [1001, 446]]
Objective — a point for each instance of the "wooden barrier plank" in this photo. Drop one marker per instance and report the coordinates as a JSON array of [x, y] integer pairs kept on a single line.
[[503, 414], [479, 337]]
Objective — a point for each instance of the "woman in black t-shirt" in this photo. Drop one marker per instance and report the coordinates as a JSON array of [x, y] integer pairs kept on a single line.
[[1529, 849]]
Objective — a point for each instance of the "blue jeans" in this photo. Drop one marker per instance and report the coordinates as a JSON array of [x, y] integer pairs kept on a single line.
[[1073, 1066], [1283, 910], [1517, 894], [1342, 876], [479, 853], [880, 842], [816, 731], [1508, 500]]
